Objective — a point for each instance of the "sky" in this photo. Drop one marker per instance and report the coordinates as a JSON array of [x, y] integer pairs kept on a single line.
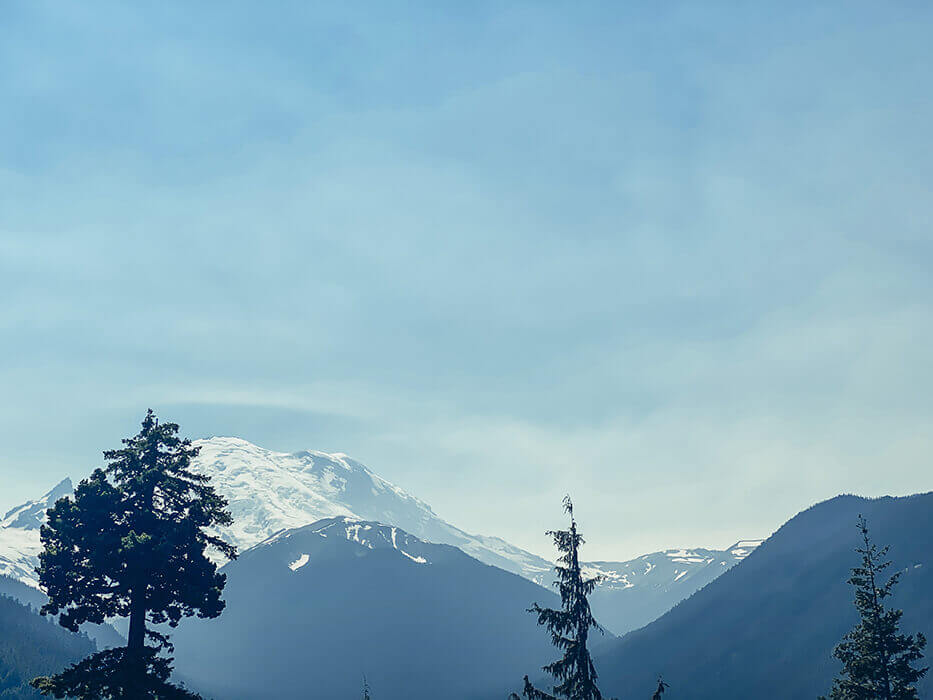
[[671, 258]]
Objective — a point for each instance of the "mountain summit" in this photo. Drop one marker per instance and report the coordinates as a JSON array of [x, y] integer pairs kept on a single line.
[[271, 491], [19, 534], [635, 592]]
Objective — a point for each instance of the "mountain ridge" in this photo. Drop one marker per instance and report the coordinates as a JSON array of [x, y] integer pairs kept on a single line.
[[794, 587], [270, 491], [304, 599]]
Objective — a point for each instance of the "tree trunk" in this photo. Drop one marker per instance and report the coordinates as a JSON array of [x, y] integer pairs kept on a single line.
[[136, 639], [136, 644]]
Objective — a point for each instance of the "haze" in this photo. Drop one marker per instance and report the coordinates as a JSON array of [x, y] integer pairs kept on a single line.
[[674, 260]]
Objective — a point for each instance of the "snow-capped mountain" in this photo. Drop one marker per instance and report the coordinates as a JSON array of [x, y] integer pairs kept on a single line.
[[19, 534], [635, 592], [665, 569], [271, 491]]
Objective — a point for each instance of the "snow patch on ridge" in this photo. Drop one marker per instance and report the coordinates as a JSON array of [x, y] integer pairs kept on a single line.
[[299, 562]]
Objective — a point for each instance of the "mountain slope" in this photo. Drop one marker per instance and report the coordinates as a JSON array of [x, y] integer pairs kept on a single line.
[[104, 636], [767, 627], [19, 534], [635, 592], [310, 610], [32, 646], [270, 491]]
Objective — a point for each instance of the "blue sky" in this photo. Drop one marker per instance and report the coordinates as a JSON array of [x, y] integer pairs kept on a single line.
[[673, 258]]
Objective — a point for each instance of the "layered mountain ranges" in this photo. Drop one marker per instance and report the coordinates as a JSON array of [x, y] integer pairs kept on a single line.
[[271, 492], [311, 610], [767, 628], [633, 593], [342, 574], [31, 646]]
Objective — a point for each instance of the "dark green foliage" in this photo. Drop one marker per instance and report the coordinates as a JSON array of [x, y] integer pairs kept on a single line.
[[30, 645], [115, 673], [570, 626], [132, 544], [878, 661]]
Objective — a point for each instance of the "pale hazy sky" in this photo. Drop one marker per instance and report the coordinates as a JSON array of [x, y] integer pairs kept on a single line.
[[674, 258]]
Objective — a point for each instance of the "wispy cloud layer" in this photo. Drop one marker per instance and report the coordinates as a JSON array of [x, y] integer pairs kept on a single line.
[[676, 262]]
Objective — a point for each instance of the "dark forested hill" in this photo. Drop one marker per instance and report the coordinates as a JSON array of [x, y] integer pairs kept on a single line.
[[313, 609], [104, 636], [767, 627], [17, 590], [31, 646]]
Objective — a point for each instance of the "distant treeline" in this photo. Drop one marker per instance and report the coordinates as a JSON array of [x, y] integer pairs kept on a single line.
[[31, 646]]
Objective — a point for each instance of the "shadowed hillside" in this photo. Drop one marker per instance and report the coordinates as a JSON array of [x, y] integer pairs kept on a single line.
[[767, 627], [313, 609], [31, 646]]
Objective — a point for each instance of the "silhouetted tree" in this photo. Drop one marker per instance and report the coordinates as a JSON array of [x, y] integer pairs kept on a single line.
[[366, 689], [132, 544], [878, 661], [569, 626], [662, 686]]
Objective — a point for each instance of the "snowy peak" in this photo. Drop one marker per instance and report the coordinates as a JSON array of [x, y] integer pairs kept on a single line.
[[19, 534], [31, 515], [635, 592], [297, 548], [669, 567], [271, 491]]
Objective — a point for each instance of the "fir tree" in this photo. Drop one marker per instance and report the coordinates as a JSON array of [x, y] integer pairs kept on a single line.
[[570, 626], [131, 543], [366, 689], [662, 686], [878, 661]]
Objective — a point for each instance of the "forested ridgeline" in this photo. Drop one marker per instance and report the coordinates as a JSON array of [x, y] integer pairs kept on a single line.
[[132, 541], [32, 646]]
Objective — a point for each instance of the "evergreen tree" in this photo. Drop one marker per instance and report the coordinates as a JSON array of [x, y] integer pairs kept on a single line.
[[131, 543], [878, 661], [662, 686], [366, 689], [570, 626]]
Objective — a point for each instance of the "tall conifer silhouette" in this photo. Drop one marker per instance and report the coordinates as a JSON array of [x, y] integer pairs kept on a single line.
[[131, 543], [574, 672], [878, 662]]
